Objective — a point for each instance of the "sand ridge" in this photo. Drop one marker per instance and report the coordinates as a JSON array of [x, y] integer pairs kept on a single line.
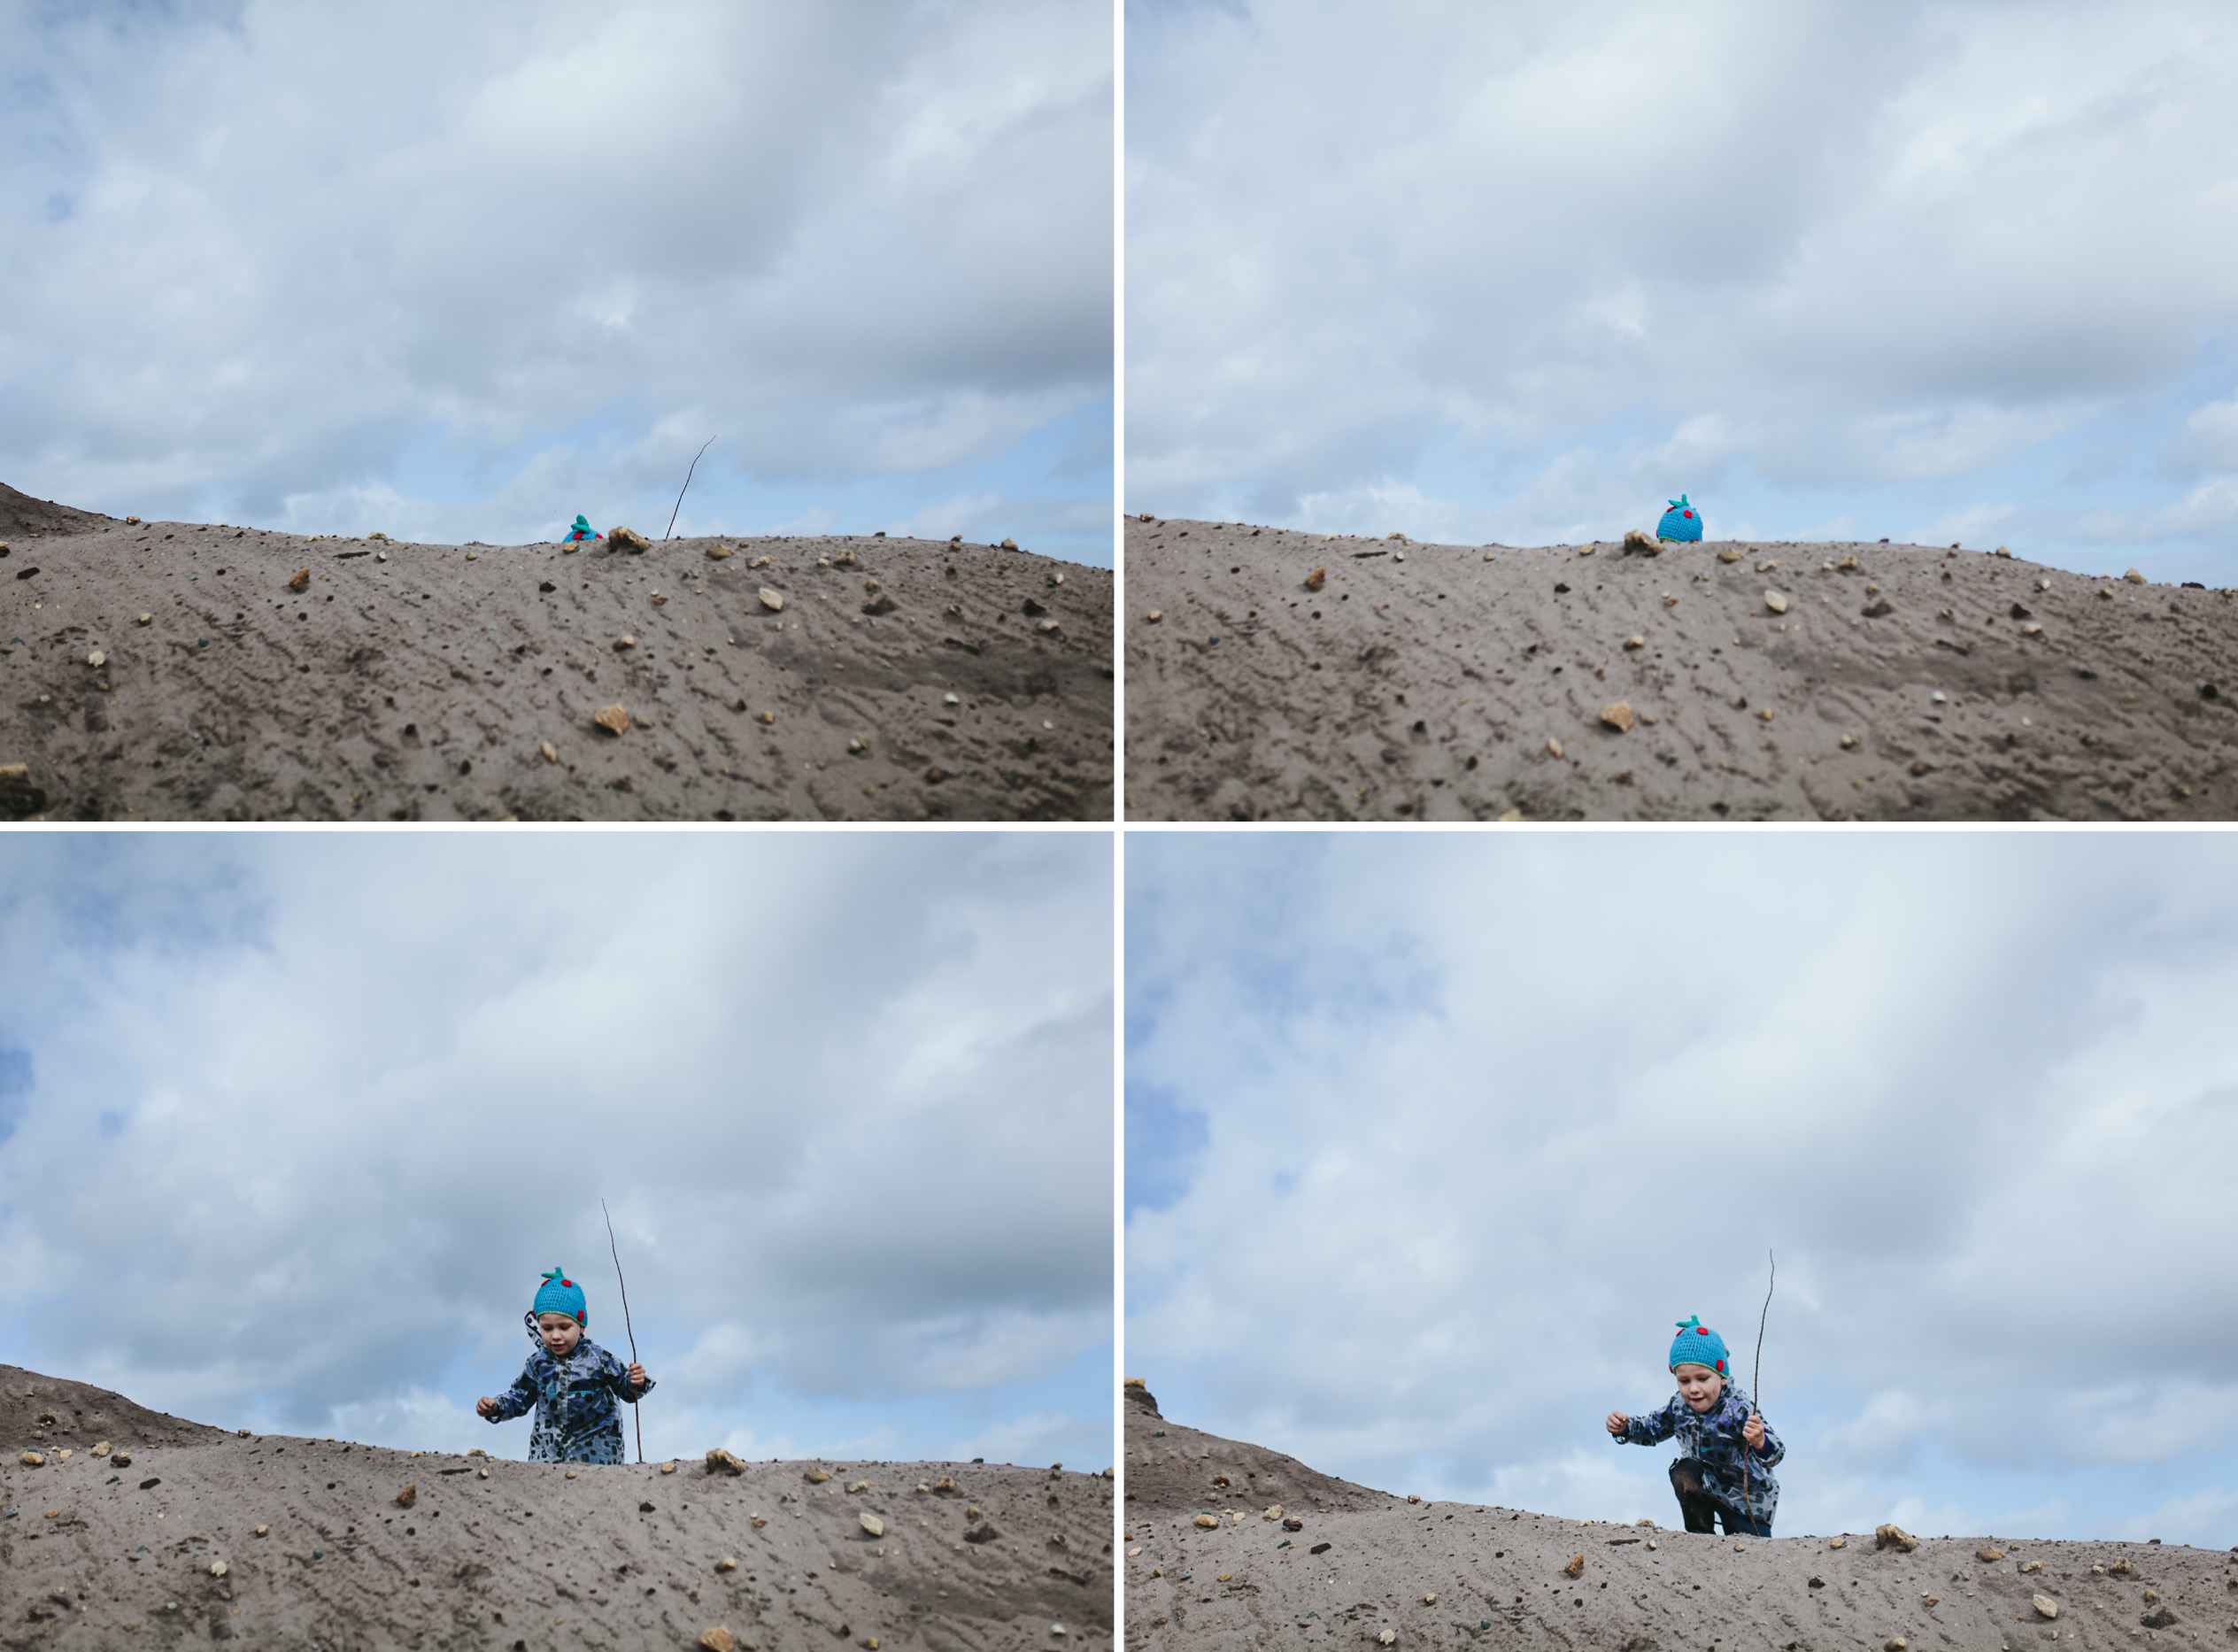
[[1888, 681], [1438, 1574], [495, 1552], [277, 677]]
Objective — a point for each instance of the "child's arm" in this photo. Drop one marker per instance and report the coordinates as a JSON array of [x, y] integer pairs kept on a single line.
[[517, 1400], [1769, 1453], [1650, 1430], [629, 1382]]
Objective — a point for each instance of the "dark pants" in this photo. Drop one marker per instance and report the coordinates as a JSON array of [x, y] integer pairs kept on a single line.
[[1702, 1512]]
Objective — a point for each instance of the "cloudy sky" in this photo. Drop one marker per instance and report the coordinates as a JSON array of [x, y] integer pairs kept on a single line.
[[455, 272], [293, 1123], [1431, 1139], [1936, 271]]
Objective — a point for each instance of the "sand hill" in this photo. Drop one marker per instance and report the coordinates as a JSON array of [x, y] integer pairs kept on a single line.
[[183, 670], [1755, 681], [1365, 1568], [276, 1540]]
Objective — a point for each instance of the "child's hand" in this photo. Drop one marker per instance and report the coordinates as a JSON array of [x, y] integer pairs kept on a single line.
[[1753, 1431], [486, 1406], [1617, 1423], [637, 1375]]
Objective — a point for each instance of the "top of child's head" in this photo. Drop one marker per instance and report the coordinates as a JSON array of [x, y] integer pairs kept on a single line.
[[563, 1314]]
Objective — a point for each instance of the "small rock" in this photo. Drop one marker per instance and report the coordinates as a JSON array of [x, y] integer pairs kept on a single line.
[[1839, 1542], [145, 619], [721, 1461], [668, 1467], [816, 1477], [726, 1565], [613, 719], [96, 659], [2159, 1619], [2032, 1565], [1766, 568], [2121, 1568], [1898, 1644], [263, 1531], [1429, 1600], [944, 1486], [1776, 601], [1894, 1537], [858, 745], [766, 717], [302, 581], [1225, 1577], [1273, 1513], [1046, 625], [1880, 609], [2135, 578], [1154, 615], [2046, 1606], [2034, 628], [1207, 1521], [408, 1496], [2001, 550], [625, 642], [121, 1460], [1617, 716], [132, 522], [1553, 749], [1292, 1523], [217, 1569], [1576, 1568], [627, 539], [716, 554], [1315, 580], [32, 1460], [1848, 740], [1389, 1637], [846, 558], [860, 1486], [1635, 641], [1511, 815], [1729, 555], [761, 561], [718, 1639], [550, 752], [772, 600], [1010, 545], [1639, 544], [1764, 712], [101, 1450]]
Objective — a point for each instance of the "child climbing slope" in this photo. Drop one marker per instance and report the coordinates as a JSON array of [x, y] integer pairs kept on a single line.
[[1723, 1470], [570, 1380]]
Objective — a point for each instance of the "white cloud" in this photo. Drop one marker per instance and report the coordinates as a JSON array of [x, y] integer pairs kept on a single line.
[[269, 257], [306, 1118], [1482, 1119], [1765, 253]]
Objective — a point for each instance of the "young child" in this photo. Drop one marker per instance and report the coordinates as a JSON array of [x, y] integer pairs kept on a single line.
[[572, 1381], [1718, 1430]]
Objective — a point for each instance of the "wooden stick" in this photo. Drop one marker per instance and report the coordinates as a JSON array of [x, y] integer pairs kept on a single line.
[[636, 1407], [703, 446], [1755, 1398]]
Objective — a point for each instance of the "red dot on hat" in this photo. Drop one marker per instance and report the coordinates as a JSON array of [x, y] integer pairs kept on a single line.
[[1686, 513]]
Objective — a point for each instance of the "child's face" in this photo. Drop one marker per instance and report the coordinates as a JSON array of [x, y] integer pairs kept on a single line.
[[1698, 1386], [560, 1333]]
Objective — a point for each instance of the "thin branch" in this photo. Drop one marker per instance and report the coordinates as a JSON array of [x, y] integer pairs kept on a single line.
[[703, 446], [635, 1408]]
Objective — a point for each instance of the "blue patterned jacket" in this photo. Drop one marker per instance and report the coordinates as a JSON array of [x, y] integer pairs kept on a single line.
[[1713, 1439], [576, 1401]]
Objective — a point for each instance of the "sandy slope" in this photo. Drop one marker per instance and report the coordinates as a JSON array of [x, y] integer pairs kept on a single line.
[[1363, 1562], [411, 682], [504, 1553], [1426, 682]]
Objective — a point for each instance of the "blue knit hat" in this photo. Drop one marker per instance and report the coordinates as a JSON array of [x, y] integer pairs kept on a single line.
[[1680, 521], [561, 1295], [1696, 1344]]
